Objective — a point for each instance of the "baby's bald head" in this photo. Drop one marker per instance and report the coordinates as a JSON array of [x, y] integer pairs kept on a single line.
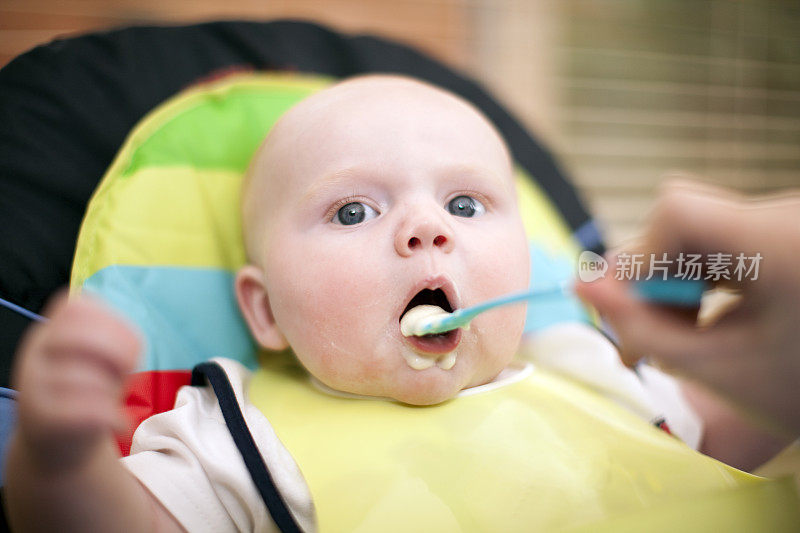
[[305, 135]]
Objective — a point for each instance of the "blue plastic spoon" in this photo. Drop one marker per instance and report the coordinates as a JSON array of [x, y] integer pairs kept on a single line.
[[672, 291]]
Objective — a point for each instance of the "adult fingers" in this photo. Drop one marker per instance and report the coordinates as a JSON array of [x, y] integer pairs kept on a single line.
[[644, 329]]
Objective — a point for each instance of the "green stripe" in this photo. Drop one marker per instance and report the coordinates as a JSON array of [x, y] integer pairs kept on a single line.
[[220, 131]]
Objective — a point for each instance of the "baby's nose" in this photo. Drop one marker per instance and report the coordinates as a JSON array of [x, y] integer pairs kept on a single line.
[[422, 235]]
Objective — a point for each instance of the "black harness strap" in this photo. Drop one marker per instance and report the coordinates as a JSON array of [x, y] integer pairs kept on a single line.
[[245, 443]]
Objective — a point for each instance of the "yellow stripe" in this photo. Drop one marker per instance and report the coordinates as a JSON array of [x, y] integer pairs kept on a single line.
[[543, 223], [163, 216]]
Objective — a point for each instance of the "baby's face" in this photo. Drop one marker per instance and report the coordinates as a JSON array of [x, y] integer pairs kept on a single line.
[[383, 196]]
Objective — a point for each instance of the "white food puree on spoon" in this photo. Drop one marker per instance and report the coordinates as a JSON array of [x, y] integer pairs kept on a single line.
[[412, 325]]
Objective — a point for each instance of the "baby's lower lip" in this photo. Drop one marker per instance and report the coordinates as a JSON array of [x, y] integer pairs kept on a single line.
[[436, 344]]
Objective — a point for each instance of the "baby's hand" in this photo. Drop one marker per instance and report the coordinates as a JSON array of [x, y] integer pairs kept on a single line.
[[69, 374]]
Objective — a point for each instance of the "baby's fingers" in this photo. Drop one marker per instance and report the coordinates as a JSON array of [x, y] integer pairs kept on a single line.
[[74, 396], [86, 328], [70, 374], [73, 409]]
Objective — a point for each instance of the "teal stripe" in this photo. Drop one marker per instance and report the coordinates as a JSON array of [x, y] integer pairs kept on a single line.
[[550, 271], [187, 315]]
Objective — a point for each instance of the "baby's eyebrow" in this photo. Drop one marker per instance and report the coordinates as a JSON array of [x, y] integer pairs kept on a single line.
[[460, 171], [335, 181], [455, 174], [463, 174]]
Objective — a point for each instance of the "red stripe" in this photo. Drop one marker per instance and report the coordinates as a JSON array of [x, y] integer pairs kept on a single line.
[[147, 394]]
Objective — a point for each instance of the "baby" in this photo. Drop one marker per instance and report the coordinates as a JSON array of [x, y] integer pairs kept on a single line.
[[366, 200]]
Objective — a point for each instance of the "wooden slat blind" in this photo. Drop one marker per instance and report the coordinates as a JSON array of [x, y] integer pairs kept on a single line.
[[639, 88]]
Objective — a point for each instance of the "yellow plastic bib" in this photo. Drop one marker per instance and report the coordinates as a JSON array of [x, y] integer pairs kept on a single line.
[[541, 454]]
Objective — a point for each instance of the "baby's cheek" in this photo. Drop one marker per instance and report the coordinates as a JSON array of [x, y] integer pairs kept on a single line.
[[345, 360], [500, 270], [499, 337], [343, 310]]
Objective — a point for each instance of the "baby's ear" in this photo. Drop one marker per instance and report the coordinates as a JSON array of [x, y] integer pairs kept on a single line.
[[254, 304]]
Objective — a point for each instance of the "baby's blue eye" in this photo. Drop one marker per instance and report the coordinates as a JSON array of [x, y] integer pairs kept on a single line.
[[354, 213], [465, 206]]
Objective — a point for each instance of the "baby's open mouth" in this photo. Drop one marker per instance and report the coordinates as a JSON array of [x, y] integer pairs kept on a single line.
[[438, 348], [429, 297]]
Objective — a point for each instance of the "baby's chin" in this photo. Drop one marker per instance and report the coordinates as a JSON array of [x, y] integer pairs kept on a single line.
[[393, 377], [420, 387], [425, 395]]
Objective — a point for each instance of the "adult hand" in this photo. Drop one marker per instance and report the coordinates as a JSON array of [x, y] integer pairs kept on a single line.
[[751, 354]]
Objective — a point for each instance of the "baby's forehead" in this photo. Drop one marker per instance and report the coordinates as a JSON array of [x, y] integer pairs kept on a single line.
[[381, 120], [386, 97]]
